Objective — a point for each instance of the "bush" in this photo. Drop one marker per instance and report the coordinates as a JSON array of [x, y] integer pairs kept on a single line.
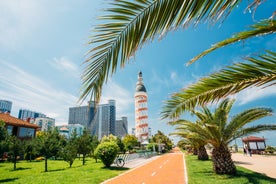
[[270, 149], [152, 147], [107, 152]]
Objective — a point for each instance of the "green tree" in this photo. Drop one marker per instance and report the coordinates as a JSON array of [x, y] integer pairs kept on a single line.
[[95, 142], [15, 149], [50, 145], [152, 146], [31, 149], [3, 139], [69, 152], [130, 141], [161, 138], [218, 130], [84, 144], [109, 138], [121, 145]]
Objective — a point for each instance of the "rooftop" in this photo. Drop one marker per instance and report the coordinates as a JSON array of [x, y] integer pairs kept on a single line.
[[252, 139], [10, 120]]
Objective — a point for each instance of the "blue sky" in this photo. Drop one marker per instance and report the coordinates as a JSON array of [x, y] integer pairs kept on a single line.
[[43, 44]]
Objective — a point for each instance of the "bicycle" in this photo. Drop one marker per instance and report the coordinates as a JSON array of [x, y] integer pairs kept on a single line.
[[119, 161]]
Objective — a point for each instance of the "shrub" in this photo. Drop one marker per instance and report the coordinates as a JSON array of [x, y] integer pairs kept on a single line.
[[152, 147], [270, 149], [107, 152]]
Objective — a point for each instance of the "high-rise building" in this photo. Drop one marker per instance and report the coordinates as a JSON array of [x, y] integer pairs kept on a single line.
[[141, 111], [5, 106], [46, 123], [104, 121], [25, 114], [121, 127], [82, 115]]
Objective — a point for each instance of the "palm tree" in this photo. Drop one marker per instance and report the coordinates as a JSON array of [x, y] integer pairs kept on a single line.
[[129, 24], [233, 79], [219, 130], [191, 138]]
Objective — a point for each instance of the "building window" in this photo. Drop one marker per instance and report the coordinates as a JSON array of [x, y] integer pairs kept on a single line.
[[9, 129], [26, 132]]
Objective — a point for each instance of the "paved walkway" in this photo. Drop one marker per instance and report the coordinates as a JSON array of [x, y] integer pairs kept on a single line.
[[263, 164], [165, 169]]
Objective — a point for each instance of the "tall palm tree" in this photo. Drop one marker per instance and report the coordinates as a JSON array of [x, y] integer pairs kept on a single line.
[[233, 79], [219, 130], [128, 24]]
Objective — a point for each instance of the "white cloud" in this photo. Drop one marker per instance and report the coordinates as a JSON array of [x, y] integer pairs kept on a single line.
[[254, 93], [173, 76], [30, 92], [65, 65]]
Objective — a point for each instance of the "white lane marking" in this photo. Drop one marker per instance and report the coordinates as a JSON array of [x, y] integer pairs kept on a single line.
[[185, 170]]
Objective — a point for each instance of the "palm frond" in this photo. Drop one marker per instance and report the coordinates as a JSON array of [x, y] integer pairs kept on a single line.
[[256, 72], [264, 27], [244, 118], [251, 130], [129, 24]]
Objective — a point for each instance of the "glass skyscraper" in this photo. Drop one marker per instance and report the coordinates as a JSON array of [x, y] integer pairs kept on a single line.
[[82, 115], [121, 127], [5, 106], [24, 114], [104, 121]]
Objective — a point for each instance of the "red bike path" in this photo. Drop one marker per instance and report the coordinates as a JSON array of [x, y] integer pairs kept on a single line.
[[166, 169]]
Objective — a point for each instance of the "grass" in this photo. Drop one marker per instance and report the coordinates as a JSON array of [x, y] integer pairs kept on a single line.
[[58, 172], [202, 172]]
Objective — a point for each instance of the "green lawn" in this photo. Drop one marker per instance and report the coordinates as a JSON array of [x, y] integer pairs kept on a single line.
[[201, 172], [58, 172]]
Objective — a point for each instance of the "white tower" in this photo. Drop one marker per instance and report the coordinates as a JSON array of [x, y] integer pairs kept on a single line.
[[141, 111]]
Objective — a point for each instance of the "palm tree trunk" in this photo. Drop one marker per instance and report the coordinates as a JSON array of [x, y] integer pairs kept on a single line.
[[195, 151], [202, 153], [222, 161]]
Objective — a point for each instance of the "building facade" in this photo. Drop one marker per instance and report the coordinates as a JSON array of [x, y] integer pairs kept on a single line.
[[104, 121], [46, 123], [5, 106], [141, 111], [121, 127], [19, 128], [82, 115], [25, 114]]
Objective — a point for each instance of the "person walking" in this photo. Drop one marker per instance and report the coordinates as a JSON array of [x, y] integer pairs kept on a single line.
[[244, 151], [249, 150]]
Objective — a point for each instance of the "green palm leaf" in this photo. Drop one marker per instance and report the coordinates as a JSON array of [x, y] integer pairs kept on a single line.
[[264, 27], [129, 24], [216, 129], [256, 72]]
